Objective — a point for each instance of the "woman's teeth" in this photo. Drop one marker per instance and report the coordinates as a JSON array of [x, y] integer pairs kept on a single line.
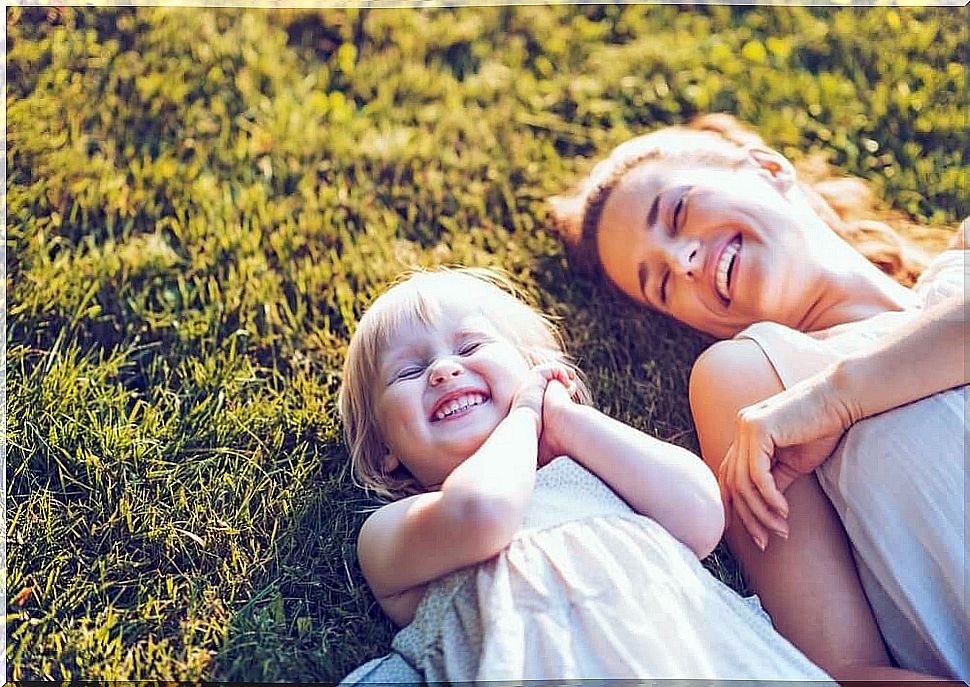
[[458, 404], [724, 267]]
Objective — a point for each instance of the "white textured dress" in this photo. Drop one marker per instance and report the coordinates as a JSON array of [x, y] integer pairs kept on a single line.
[[587, 589], [899, 483]]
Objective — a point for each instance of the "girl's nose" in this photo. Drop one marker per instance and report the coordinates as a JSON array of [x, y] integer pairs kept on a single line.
[[444, 369]]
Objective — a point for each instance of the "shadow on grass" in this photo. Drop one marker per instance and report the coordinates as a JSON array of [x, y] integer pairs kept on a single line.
[[312, 617]]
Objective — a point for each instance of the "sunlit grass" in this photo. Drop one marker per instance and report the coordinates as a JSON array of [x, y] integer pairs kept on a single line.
[[200, 204]]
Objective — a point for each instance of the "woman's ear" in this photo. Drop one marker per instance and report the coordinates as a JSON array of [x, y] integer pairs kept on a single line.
[[774, 167], [389, 463], [567, 217]]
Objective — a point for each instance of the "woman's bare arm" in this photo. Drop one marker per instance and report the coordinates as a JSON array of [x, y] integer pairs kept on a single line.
[[807, 583], [921, 358]]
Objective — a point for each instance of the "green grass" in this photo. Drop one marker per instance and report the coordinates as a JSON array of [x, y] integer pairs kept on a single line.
[[200, 204]]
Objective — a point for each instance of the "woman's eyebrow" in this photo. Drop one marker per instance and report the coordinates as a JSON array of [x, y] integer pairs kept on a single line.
[[652, 213], [642, 274], [642, 271]]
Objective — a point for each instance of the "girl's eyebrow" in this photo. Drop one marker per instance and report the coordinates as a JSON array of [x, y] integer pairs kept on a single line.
[[397, 356], [469, 331]]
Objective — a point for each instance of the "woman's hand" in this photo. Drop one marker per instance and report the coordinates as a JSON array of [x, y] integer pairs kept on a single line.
[[776, 441]]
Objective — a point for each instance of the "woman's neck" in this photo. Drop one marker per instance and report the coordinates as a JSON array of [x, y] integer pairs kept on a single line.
[[854, 290]]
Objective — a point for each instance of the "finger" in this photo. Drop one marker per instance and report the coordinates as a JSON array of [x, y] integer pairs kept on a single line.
[[757, 533], [784, 476], [726, 501], [760, 510], [754, 465], [722, 472], [744, 498], [759, 462]]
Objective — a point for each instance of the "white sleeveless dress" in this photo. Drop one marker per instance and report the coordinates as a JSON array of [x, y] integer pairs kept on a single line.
[[587, 589], [899, 483]]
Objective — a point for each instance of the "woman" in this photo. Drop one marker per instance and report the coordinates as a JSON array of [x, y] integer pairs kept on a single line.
[[709, 225]]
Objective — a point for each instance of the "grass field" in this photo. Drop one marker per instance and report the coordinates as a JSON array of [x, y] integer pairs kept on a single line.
[[200, 204]]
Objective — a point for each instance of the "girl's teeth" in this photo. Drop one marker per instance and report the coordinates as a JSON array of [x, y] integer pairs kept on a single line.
[[460, 403]]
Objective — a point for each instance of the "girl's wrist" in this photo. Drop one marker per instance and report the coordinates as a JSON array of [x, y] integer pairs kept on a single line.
[[527, 410], [562, 421]]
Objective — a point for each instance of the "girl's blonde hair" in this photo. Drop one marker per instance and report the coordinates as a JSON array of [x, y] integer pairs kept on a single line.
[[845, 204], [417, 297]]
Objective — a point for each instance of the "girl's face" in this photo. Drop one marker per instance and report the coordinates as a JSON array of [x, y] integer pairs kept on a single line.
[[717, 249], [442, 389]]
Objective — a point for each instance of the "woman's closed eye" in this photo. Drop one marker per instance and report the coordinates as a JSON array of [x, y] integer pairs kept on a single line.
[[678, 215]]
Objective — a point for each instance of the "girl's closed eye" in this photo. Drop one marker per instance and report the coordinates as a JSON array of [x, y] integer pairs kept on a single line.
[[469, 347], [409, 372]]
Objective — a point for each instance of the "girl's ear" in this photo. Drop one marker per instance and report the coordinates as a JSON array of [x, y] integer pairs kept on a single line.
[[567, 217], [774, 167]]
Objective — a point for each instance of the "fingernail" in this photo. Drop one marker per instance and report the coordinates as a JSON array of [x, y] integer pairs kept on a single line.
[[782, 533], [760, 543]]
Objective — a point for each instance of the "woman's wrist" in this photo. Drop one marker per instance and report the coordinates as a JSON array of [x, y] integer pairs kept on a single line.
[[841, 391]]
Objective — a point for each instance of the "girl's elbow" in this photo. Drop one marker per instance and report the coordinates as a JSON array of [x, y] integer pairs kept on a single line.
[[708, 525], [487, 524], [712, 532]]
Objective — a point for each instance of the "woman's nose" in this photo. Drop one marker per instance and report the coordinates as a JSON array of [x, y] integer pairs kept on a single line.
[[685, 258], [444, 369]]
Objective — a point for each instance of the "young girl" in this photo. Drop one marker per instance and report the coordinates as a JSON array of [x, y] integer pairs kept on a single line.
[[454, 393]]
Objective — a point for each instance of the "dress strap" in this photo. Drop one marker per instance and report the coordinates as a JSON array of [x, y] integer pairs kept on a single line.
[[794, 354]]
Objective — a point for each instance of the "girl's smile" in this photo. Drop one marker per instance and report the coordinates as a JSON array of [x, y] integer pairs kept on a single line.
[[447, 385]]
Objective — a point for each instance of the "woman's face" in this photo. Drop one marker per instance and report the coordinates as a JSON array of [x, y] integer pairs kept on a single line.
[[717, 249]]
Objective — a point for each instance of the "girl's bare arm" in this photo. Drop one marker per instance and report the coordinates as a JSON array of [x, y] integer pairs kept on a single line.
[[479, 507], [657, 479]]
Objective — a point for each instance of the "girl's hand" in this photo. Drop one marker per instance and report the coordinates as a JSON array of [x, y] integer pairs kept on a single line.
[[556, 405], [777, 441], [533, 390]]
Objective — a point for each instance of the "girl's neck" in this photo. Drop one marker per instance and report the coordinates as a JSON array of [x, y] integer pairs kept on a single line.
[[851, 290]]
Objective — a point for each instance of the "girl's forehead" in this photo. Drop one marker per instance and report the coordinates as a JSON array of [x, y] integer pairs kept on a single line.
[[449, 317]]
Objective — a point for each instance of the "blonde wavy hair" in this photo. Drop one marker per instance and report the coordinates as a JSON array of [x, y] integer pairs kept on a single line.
[[418, 296], [846, 204]]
